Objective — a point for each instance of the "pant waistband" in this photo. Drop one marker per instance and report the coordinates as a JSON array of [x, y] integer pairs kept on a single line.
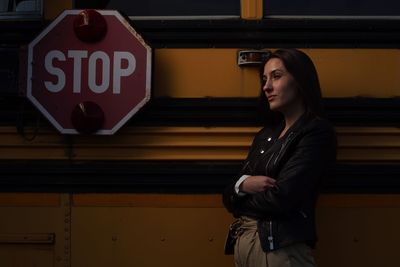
[[243, 224]]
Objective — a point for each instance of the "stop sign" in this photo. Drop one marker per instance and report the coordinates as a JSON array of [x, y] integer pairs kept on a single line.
[[65, 71]]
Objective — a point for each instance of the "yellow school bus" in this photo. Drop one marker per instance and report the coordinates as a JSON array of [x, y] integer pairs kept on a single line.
[[150, 194]]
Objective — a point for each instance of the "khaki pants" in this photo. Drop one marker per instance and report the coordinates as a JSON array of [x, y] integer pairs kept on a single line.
[[248, 251]]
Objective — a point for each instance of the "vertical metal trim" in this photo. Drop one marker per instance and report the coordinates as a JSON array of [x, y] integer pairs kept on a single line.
[[66, 204]]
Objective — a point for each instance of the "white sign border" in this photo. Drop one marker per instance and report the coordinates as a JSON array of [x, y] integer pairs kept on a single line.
[[31, 63]]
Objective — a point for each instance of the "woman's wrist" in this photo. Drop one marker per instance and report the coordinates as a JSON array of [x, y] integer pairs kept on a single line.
[[239, 183]]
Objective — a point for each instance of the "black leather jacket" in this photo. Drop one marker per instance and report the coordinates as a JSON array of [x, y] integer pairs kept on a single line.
[[298, 161]]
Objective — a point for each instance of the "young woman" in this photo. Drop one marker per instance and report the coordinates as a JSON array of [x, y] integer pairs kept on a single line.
[[275, 195]]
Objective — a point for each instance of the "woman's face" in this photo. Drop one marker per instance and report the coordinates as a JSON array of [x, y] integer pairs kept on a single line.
[[280, 87]]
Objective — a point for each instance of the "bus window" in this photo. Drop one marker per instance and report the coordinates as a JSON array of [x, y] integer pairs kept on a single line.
[[337, 8], [169, 9], [20, 9]]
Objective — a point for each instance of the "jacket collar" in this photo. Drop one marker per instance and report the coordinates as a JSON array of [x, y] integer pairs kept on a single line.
[[297, 126]]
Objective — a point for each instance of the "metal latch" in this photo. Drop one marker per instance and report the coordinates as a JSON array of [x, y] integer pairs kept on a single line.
[[45, 238], [252, 57]]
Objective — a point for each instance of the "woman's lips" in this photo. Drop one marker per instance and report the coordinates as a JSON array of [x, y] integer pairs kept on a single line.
[[271, 98]]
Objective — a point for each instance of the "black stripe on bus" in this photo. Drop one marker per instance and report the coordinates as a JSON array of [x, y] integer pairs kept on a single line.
[[172, 177]]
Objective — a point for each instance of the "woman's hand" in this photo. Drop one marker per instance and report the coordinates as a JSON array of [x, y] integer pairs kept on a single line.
[[256, 184]]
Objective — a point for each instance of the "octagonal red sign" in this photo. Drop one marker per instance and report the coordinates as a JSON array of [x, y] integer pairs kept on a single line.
[[65, 71]]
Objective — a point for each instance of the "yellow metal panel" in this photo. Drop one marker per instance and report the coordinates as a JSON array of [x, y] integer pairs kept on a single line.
[[214, 73], [186, 143], [215, 200], [30, 199], [27, 256], [147, 200], [140, 236], [34, 230], [135, 144], [53, 8], [201, 73], [358, 236], [251, 9], [368, 144], [137, 230], [173, 230], [358, 230], [358, 72], [37, 238], [359, 201]]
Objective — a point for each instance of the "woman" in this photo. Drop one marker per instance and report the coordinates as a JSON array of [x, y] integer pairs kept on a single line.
[[276, 193]]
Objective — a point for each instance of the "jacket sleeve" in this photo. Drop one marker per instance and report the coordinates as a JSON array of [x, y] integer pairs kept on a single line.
[[230, 198], [299, 176]]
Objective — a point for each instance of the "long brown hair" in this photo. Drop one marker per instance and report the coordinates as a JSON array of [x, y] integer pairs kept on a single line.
[[301, 67]]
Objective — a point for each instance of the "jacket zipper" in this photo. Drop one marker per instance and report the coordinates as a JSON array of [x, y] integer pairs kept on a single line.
[[268, 162], [288, 138], [245, 167], [303, 213], [270, 237]]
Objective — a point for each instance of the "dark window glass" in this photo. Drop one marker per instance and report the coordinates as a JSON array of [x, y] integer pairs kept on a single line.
[[167, 7], [20, 8], [332, 7]]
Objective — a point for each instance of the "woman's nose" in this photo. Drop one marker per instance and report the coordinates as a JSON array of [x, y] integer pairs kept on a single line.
[[267, 86]]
